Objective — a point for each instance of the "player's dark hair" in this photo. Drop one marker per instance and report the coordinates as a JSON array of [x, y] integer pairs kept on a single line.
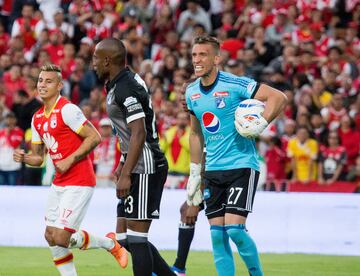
[[208, 40]]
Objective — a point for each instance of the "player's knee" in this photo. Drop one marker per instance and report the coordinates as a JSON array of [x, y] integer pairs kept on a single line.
[[61, 241], [49, 237], [183, 209]]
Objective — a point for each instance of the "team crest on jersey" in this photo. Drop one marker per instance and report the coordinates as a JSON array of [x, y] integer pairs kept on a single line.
[[38, 126], [211, 122], [53, 121], [46, 126], [220, 102]]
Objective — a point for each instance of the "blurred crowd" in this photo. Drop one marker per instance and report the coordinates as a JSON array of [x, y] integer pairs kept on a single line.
[[309, 49]]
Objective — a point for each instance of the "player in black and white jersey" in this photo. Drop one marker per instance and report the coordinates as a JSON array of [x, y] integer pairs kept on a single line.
[[142, 173]]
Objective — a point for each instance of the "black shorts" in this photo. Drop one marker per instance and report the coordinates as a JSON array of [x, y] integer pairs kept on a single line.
[[143, 202], [230, 191]]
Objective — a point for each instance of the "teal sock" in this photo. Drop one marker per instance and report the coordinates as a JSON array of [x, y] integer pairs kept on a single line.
[[223, 256], [246, 248]]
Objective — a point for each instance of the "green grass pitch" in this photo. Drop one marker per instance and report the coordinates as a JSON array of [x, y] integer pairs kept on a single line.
[[30, 261]]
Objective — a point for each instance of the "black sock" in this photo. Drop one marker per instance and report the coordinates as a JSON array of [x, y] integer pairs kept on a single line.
[[141, 255], [161, 268], [186, 235], [124, 243]]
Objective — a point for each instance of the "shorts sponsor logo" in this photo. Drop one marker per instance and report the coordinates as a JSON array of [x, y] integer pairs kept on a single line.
[[211, 122], [56, 156], [206, 194], [155, 213], [129, 101], [134, 107]]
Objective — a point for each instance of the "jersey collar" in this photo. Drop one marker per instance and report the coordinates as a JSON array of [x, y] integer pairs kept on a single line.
[[207, 89], [122, 73]]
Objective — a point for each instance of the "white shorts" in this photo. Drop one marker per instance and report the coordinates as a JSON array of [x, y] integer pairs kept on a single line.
[[67, 206]]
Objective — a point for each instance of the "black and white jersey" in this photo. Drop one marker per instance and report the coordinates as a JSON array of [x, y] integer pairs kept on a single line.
[[127, 100]]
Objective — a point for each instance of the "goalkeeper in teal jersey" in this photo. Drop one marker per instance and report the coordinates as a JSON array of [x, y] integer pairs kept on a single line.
[[231, 164]]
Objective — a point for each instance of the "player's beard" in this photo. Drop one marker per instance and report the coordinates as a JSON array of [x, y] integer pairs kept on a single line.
[[103, 77], [207, 74]]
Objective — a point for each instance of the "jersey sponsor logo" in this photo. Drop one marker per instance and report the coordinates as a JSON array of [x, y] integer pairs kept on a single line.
[[221, 94], [129, 101], [50, 142], [215, 137], [195, 96], [134, 107], [211, 122], [56, 111], [250, 87], [39, 115], [220, 102], [53, 121]]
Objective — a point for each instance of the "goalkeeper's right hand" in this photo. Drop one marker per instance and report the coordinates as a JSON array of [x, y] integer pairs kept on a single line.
[[196, 200], [194, 181]]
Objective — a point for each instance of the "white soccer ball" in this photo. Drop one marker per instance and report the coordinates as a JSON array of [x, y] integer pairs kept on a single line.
[[249, 110]]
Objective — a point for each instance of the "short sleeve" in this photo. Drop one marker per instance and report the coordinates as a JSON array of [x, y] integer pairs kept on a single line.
[[73, 117], [35, 136], [130, 103], [188, 102], [248, 87]]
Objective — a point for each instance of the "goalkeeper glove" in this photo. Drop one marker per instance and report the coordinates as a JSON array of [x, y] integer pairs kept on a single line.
[[196, 200], [251, 129], [193, 184]]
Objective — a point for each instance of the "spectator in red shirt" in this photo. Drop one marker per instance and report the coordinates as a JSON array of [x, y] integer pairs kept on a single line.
[[13, 81], [350, 138], [11, 138], [332, 159], [275, 158], [55, 48], [25, 26]]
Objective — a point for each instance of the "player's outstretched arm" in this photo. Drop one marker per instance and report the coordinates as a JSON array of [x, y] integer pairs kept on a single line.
[[275, 101], [35, 158], [91, 139]]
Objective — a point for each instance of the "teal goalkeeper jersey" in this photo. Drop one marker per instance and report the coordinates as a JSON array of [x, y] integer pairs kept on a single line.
[[215, 110]]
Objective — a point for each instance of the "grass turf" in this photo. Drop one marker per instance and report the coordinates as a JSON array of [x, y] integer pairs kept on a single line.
[[28, 261]]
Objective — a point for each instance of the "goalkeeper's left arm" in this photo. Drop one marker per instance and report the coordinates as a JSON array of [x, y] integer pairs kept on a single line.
[[275, 103], [196, 151]]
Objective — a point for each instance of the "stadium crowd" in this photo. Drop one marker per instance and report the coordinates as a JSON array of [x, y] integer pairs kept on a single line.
[[309, 49]]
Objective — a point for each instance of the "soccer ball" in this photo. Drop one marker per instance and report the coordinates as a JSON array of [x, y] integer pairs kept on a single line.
[[249, 110]]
